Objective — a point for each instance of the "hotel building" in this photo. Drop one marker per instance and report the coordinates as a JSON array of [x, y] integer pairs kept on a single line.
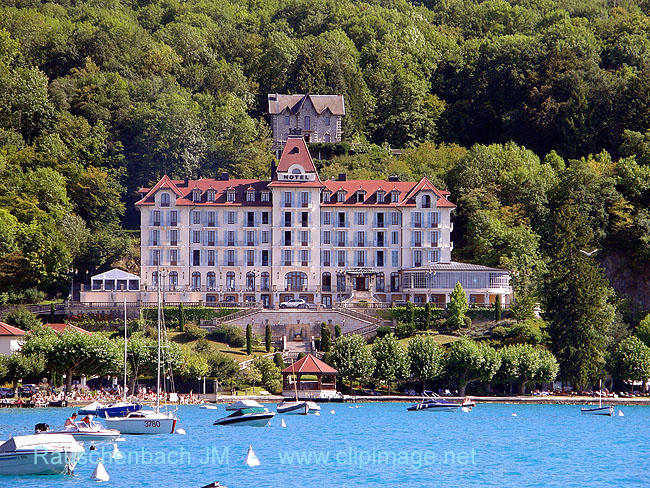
[[296, 236]]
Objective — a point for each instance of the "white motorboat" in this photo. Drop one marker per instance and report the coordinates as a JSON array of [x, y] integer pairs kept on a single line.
[[247, 413], [298, 407], [147, 421], [435, 403], [81, 431], [607, 410], [39, 454]]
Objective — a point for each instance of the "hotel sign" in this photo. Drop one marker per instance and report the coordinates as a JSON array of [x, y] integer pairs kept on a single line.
[[296, 176]]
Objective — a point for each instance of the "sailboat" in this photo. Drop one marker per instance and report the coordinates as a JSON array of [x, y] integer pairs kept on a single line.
[[297, 407], [607, 410], [147, 421]]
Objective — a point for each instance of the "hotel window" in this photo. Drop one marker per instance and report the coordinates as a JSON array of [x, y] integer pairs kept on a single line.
[[435, 219], [327, 258], [340, 282], [156, 218], [250, 238], [326, 196], [434, 238], [173, 280], [304, 198], [173, 257], [380, 239], [250, 196], [394, 236], [341, 219], [379, 259], [434, 256], [360, 258], [212, 219], [211, 238], [304, 257], [304, 237], [231, 258], [232, 217], [304, 219], [394, 282], [266, 237], [196, 217], [417, 258], [230, 281], [250, 281], [196, 257], [417, 239], [287, 219], [196, 280], [173, 237], [212, 194], [212, 254], [230, 195], [173, 218], [327, 218], [394, 259], [211, 281], [327, 237], [155, 257], [155, 238], [265, 281], [417, 219], [286, 120], [426, 201], [265, 257], [196, 236], [266, 196], [164, 200], [250, 258], [340, 196], [250, 219], [287, 257], [361, 196], [361, 239], [394, 218], [326, 281], [288, 199], [154, 282], [380, 282], [361, 218], [394, 196], [265, 218], [341, 238], [287, 238], [196, 195], [340, 258], [380, 196]]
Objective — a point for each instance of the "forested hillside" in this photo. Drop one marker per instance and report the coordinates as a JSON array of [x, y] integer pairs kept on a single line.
[[534, 113]]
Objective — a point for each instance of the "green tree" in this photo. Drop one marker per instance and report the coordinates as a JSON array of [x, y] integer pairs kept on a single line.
[[325, 338], [524, 363], [249, 339], [223, 368], [632, 360], [642, 330], [337, 331], [391, 360], [23, 319], [19, 366], [194, 366], [498, 311], [352, 359], [426, 358], [271, 375], [457, 307], [279, 362], [468, 361], [269, 338], [427, 316]]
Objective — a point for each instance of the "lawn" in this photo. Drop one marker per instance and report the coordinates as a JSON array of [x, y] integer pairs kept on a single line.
[[439, 338], [237, 353]]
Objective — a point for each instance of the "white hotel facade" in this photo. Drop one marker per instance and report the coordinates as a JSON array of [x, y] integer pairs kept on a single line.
[[339, 240]]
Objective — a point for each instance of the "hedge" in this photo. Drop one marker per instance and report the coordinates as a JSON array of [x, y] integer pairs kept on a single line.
[[191, 314]]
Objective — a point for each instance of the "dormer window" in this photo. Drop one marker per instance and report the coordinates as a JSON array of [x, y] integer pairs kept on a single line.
[[230, 195], [380, 196], [250, 195], [326, 196], [212, 195], [340, 196], [164, 200], [196, 195], [266, 196], [394, 196], [361, 196]]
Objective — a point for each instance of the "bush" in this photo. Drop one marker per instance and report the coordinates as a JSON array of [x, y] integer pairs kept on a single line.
[[175, 316], [230, 334], [33, 295], [500, 332], [193, 332], [23, 319], [404, 329], [382, 331], [203, 346], [277, 359], [467, 322]]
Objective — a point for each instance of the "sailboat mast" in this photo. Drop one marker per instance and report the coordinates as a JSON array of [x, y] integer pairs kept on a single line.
[[124, 394], [600, 395], [158, 368]]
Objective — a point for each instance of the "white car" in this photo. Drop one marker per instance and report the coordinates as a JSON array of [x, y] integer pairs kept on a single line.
[[294, 303]]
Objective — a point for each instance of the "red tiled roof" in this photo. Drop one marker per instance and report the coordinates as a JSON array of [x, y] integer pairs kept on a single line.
[[310, 365], [10, 330], [295, 152], [59, 328]]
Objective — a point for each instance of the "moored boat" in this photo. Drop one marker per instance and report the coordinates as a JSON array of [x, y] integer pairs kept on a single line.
[[119, 409], [437, 404], [606, 410], [298, 407], [81, 431], [144, 422], [90, 409], [248, 413], [38, 454]]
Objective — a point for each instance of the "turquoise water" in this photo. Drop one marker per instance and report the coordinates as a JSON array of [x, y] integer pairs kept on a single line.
[[372, 445]]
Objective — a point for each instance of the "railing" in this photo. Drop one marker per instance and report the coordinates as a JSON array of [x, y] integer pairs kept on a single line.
[[235, 315]]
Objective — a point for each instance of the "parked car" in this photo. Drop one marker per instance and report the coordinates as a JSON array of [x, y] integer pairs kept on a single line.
[[27, 390], [294, 303], [6, 392]]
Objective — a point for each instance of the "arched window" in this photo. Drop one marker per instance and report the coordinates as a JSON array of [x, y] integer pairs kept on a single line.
[[295, 281], [380, 282], [173, 280], [426, 201], [250, 281], [394, 281], [340, 282], [296, 171], [265, 281], [326, 282], [164, 200], [230, 281], [154, 279], [211, 282], [196, 280]]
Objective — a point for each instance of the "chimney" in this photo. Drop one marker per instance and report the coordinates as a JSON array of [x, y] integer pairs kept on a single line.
[[393, 178], [343, 176], [225, 176]]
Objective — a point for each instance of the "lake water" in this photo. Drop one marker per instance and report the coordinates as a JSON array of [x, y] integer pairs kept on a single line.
[[378, 444]]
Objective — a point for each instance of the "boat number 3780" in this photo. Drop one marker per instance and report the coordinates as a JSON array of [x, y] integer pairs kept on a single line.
[[152, 423]]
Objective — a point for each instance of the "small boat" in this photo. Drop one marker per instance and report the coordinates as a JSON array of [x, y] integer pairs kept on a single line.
[[81, 431], [247, 412], [38, 454], [119, 409], [91, 409], [209, 407], [437, 404], [607, 410], [298, 407], [144, 422]]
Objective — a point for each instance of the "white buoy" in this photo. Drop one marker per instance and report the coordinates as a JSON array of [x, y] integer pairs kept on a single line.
[[180, 431], [100, 473], [116, 453], [620, 413], [317, 414], [283, 423], [251, 458], [332, 412], [465, 409], [514, 414]]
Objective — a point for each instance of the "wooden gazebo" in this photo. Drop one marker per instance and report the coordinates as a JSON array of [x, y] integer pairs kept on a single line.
[[323, 387]]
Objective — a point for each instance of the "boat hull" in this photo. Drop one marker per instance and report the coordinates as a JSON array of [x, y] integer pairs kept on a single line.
[[606, 411], [150, 424], [38, 461], [297, 408], [247, 420]]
